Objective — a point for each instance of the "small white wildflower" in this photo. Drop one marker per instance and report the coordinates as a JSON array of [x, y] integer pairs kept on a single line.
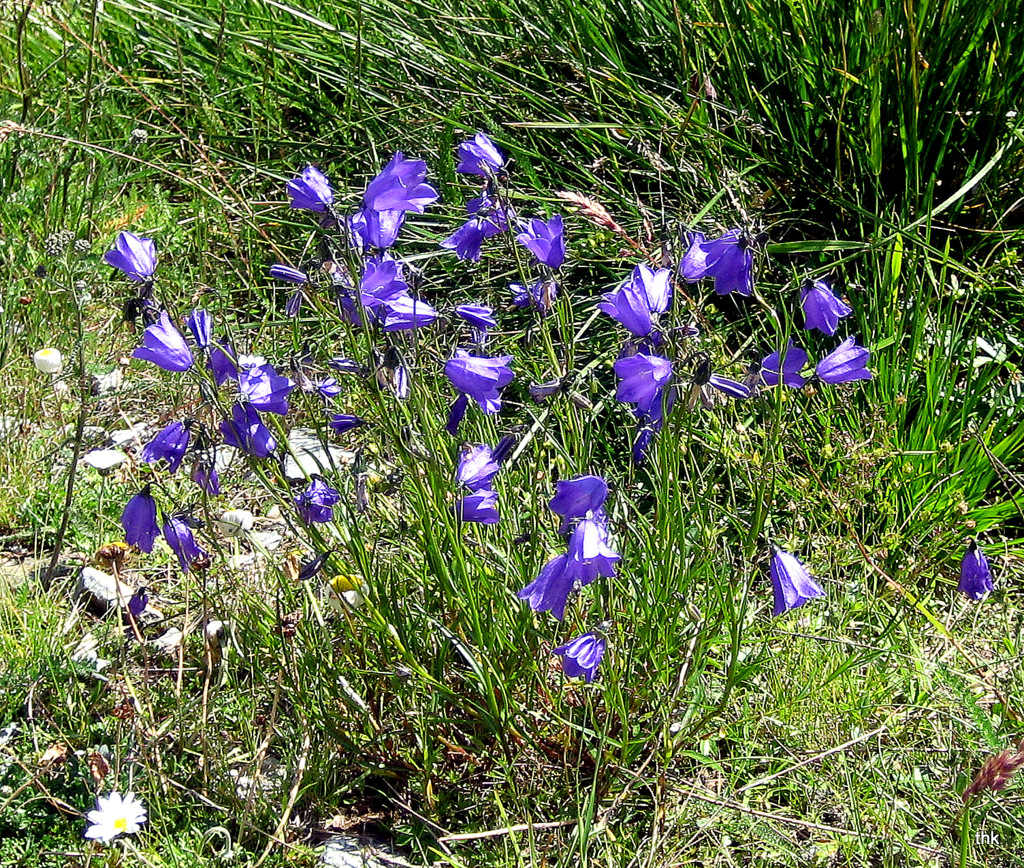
[[48, 361], [114, 816]]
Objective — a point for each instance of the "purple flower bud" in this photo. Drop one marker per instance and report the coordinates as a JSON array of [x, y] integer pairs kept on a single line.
[[312, 191], [479, 156], [222, 363], [478, 507], [792, 584], [693, 266], [163, 345], [822, 310], [975, 573], [844, 364], [247, 432], [456, 414], [200, 323], [138, 602], [347, 366], [133, 255], [467, 241], [139, 521], [179, 537], [342, 422], [793, 361], [582, 656], [170, 444], [577, 498], [288, 274], [545, 240], [315, 504], [204, 474]]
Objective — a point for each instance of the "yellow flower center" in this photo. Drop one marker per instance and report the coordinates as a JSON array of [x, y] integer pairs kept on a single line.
[[120, 824]]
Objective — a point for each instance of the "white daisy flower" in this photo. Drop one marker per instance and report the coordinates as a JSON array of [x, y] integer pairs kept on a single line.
[[115, 816]]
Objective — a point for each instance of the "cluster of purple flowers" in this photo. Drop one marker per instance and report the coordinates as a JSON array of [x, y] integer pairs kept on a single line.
[[477, 468]]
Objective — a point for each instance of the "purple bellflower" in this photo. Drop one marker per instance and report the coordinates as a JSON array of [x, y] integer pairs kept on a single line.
[[487, 219], [479, 156], [376, 228], [139, 521], [316, 503], [178, 533], [222, 363], [590, 555], [342, 422], [975, 573], [549, 592], [729, 259], [481, 318], [170, 444], [138, 601], [477, 468], [247, 432], [480, 378], [643, 378], [479, 506], [541, 295], [400, 187], [844, 364], [133, 255], [288, 274], [545, 240], [200, 323], [204, 473], [577, 498], [265, 389], [163, 345], [792, 584], [822, 310], [646, 292], [406, 312], [582, 655], [311, 191], [793, 360]]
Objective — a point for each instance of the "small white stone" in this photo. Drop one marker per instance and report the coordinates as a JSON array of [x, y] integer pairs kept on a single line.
[[48, 361], [104, 460]]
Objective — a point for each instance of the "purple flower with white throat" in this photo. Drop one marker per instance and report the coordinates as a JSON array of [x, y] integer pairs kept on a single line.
[[133, 255], [578, 498], [643, 378], [316, 503], [582, 656], [975, 573], [481, 378], [822, 310], [844, 364], [311, 191], [792, 584], [479, 507], [646, 292], [545, 240], [785, 367], [169, 445], [480, 156], [178, 533], [246, 431], [139, 521], [163, 345], [590, 555], [265, 389]]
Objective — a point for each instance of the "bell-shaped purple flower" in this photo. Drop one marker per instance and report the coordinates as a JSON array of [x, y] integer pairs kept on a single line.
[[487, 219], [138, 601], [578, 498], [693, 266], [646, 292], [133, 255], [288, 274], [247, 432], [316, 503], [200, 323], [265, 389], [729, 259], [784, 367], [582, 656], [478, 465], [222, 363], [178, 533], [311, 191], [822, 310], [163, 345], [479, 507], [139, 521], [590, 555], [342, 422], [545, 240], [170, 445], [845, 364], [549, 592], [479, 156], [406, 312], [643, 377], [376, 228], [481, 318], [480, 378], [204, 473], [400, 187], [540, 295], [975, 573], [792, 584]]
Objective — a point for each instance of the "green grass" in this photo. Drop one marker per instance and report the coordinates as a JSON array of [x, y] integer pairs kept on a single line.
[[879, 147]]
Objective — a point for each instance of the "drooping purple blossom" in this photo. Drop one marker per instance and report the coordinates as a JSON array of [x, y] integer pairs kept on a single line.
[[792, 584], [822, 309], [541, 295], [479, 506], [139, 521], [703, 379], [578, 498], [646, 292], [793, 360], [311, 191], [138, 601], [545, 240], [340, 423], [478, 465], [246, 431], [405, 312], [265, 389], [729, 259], [643, 377], [376, 229], [164, 346], [204, 473], [582, 656], [200, 323], [550, 591], [845, 363], [222, 363], [480, 156], [481, 378], [178, 533], [400, 186], [133, 255], [481, 318], [169, 444], [590, 555], [487, 218], [316, 503], [975, 573], [693, 265]]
